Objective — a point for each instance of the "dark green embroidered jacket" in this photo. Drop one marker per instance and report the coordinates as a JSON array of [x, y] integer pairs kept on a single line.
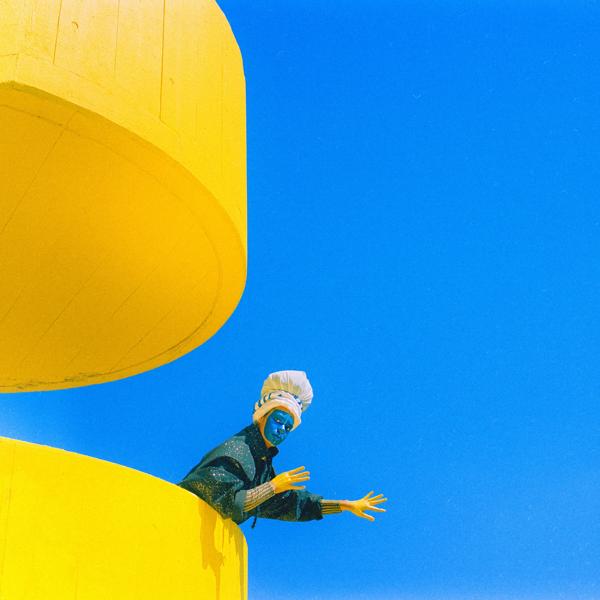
[[241, 463]]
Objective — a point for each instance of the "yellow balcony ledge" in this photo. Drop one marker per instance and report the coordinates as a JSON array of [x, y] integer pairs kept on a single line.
[[78, 527]]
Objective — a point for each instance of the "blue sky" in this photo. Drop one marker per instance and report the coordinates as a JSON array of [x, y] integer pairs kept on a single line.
[[424, 241]]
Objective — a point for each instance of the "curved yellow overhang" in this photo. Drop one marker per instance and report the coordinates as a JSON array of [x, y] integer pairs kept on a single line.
[[77, 527], [122, 186]]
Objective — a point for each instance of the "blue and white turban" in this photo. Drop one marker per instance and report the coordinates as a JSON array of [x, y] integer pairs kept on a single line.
[[288, 390]]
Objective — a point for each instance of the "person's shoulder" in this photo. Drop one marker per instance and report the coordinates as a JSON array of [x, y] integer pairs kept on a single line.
[[235, 448]]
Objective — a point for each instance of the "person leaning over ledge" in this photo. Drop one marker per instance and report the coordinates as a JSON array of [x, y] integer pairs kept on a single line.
[[237, 477]]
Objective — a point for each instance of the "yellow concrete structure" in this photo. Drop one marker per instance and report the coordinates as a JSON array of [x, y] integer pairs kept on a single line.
[[74, 527], [122, 186]]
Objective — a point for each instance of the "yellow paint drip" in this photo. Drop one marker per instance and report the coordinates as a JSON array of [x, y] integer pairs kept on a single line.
[[77, 527], [122, 186]]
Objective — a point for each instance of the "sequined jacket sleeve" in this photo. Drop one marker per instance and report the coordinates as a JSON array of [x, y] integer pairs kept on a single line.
[[292, 505], [218, 484]]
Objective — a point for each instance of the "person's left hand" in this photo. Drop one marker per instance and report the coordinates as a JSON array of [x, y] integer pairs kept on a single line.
[[368, 502]]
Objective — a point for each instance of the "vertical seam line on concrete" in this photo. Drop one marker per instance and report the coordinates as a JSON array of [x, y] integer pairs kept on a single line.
[[162, 60], [117, 39], [57, 30]]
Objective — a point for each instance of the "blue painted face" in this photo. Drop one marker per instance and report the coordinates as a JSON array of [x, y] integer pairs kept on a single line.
[[279, 424]]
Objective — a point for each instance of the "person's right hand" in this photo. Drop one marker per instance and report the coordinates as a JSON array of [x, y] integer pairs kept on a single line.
[[285, 481]]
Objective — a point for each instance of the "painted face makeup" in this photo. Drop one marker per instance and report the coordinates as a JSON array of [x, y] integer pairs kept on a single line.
[[279, 424]]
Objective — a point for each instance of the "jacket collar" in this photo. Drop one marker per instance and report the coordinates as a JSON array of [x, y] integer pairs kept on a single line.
[[257, 443]]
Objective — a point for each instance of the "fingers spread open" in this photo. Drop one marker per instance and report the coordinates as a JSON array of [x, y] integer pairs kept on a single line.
[[301, 474], [378, 501], [296, 478], [297, 470]]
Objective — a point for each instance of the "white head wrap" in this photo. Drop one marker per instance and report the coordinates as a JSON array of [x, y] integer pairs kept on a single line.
[[289, 390]]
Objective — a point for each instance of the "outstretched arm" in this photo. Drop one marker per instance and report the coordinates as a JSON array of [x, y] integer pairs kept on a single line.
[[358, 507], [293, 503]]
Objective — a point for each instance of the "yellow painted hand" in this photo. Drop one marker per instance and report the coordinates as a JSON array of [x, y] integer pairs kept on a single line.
[[286, 481], [368, 502]]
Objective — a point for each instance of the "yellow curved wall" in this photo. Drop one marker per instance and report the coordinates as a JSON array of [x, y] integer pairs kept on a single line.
[[77, 527], [122, 186]]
